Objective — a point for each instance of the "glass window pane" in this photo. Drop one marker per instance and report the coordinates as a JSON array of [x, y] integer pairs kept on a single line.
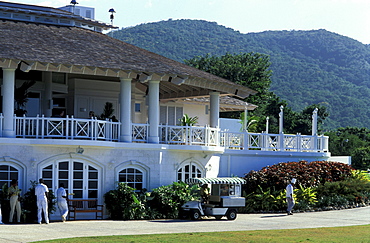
[[122, 178], [77, 175], [92, 168], [93, 175], [63, 166], [12, 168], [139, 186], [78, 193], [93, 184], [93, 194], [77, 166], [63, 174], [4, 167], [13, 175], [46, 174], [139, 178], [50, 167], [77, 184], [130, 170], [3, 175]]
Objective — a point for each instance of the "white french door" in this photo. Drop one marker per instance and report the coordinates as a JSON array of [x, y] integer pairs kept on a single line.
[[80, 179]]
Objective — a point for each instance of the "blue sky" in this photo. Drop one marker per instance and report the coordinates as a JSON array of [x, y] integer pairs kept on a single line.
[[346, 17]]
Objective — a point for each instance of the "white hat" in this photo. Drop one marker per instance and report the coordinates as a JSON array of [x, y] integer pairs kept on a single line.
[[293, 180]]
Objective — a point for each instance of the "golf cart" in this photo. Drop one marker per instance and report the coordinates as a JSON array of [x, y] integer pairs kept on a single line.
[[224, 199]]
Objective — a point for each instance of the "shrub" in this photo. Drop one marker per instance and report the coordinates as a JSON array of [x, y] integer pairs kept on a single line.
[[307, 174], [344, 193], [167, 200], [125, 203], [163, 202]]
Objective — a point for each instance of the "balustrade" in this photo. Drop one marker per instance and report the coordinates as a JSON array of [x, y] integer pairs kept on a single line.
[[94, 129]]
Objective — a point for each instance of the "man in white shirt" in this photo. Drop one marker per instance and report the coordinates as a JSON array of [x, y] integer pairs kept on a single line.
[[62, 202], [290, 197], [41, 192]]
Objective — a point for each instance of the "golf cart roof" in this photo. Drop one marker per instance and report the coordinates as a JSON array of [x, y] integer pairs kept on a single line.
[[221, 180]]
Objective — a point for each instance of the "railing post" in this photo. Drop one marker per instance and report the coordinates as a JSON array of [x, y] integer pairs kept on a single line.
[[73, 125], [37, 125], [67, 126], [281, 142], [43, 128], [314, 142], [246, 141], [23, 123], [299, 142]]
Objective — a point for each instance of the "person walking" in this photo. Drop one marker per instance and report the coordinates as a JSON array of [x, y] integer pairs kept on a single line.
[[13, 192], [62, 202], [290, 196], [41, 192]]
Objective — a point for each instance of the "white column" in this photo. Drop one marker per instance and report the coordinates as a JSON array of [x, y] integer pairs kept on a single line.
[[214, 109], [8, 102], [48, 102], [125, 110], [245, 119], [281, 119], [267, 124], [314, 122], [153, 113], [314, 129]]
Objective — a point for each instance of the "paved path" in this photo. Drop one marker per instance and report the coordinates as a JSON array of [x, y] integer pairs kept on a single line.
[[57, 230]]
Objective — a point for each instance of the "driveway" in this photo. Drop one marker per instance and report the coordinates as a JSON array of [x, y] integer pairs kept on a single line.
[[57, 230]]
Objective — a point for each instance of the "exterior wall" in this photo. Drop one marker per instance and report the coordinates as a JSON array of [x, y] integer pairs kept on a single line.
[[240, 162], [199, 111]]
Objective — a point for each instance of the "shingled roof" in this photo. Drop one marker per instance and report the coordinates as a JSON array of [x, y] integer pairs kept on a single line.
[[81, 51]]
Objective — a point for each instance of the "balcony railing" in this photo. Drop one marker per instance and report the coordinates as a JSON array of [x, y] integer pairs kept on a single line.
[[274, 142], [66, 128], [93, 129]]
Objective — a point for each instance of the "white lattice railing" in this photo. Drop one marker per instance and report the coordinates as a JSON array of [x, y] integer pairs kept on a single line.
[[190, 135], [273, 142], [66, 128], [93, 129]]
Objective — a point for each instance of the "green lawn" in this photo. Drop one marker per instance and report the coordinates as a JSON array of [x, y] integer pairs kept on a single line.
[[354, 234]]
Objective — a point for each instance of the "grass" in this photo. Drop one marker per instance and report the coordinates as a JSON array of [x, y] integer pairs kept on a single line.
[[334, 234]]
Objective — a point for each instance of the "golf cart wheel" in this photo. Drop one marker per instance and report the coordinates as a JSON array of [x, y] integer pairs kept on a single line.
[[195, 214], [231, 214], [218, 217]]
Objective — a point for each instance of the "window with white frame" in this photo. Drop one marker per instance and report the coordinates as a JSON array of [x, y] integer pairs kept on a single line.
[[190, 170], [7, 174], [133, 177], [81, 179], [170, 115]]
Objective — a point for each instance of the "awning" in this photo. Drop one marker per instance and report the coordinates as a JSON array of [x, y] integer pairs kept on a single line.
[[221, 180]]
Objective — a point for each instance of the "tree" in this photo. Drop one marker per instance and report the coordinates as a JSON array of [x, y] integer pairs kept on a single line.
[[21, 95], [252, 70], [247, 69]]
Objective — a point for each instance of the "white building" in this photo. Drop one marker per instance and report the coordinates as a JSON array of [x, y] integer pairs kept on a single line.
[[78, 69]]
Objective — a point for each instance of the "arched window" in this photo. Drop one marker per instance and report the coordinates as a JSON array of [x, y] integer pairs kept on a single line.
[[133, 177], [81, 179], [190, 170], [7, 173]]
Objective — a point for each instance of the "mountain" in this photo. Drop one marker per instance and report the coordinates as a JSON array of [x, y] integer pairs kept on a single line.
[[309, 67]]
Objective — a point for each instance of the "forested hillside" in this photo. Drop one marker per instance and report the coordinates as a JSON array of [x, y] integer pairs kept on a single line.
[[309, 67]]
